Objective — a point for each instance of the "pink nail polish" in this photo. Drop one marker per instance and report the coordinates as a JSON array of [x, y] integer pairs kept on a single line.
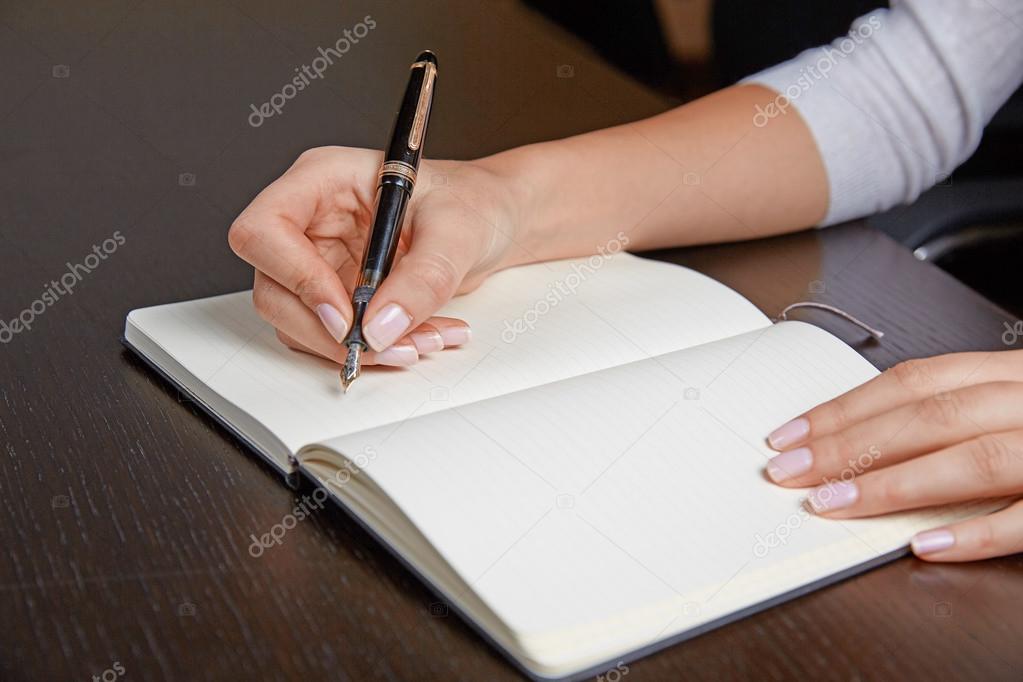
[[789, 464], [397, 356], [931, 541], [387, 326], [333, 321], [456, 336], [832, 496], [789, 434], [427, 342]]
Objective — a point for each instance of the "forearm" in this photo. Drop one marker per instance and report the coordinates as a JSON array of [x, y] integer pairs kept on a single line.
[[700, 173]]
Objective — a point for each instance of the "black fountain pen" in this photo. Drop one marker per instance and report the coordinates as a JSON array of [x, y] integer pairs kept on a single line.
[[394, 189]]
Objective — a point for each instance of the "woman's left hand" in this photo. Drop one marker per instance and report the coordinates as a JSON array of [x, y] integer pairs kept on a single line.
[[926, 432]]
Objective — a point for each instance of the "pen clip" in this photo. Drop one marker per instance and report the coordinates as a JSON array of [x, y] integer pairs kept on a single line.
[[415, 139]]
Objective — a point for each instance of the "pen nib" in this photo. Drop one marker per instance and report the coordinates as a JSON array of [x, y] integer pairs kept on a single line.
[[350, 371]]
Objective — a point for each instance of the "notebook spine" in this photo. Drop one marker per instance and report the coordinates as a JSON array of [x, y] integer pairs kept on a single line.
[[293, 478]]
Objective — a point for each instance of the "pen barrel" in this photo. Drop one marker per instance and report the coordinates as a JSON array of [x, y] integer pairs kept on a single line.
[[410, 123], [398, 172], [392, 199], [397, 180]]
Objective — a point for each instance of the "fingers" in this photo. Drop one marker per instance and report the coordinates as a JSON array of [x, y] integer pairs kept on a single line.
[[285, 311], [402, 354], [420, 283], [294, 322], [304, 228], [925, 433], [901, 434], [988, 466], [905, 383], [299, 328], [270, 234], [440, 332], [996, 534]]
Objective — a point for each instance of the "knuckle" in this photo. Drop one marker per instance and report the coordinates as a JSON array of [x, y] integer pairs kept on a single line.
[[890, 491], [985, 540], [323, 155], [844, 447], [913, 375], [261, 299], [311, 154], [284, 338], [240, 236], [438, 277], [990, 459], [309, 289], [942, 410], [834, 414], [830, 452]]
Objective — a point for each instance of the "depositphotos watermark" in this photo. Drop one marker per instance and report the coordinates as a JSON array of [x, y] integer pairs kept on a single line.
[[784, 530], [614, 674], [111, 674], [819, 70], [64, 286], [307, 73], [563, 288], [304, 509], [1013, 333]]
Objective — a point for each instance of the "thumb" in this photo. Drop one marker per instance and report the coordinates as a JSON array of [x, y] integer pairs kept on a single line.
[[420, 283]]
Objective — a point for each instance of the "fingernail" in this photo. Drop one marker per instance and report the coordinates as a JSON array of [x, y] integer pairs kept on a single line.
[[832, 496], [456, 336], [789, 464], [397, 356], [932, 541], [427, 342], [389, 325], [333, 321], [789, 434]]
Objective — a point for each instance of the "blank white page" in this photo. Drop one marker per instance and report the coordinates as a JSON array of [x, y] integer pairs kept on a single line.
[[631, 495], [531, 325]]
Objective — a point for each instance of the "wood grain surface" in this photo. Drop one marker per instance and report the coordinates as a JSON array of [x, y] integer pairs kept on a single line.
[[126, 514]]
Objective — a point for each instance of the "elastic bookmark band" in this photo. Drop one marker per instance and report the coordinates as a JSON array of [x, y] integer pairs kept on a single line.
[[876, 333]]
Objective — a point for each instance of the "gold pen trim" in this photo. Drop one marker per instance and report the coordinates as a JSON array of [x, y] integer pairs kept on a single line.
[[400, 169], [415, 139]]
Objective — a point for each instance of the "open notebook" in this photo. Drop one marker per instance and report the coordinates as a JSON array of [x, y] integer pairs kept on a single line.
[[584, 481]]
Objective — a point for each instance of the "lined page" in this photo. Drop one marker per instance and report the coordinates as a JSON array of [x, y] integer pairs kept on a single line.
[[638, 490], [531, 325]]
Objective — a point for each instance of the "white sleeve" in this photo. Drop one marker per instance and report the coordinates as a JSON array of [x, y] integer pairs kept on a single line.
[[902, 100]]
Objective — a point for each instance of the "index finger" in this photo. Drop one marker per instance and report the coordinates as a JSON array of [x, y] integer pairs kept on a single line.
[[904, 383], [270, 235]]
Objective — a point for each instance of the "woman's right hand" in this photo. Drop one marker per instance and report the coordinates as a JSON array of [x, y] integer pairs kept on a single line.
[[305, 233]]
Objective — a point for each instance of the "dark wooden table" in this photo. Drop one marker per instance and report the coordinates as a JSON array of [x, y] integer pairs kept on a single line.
[[126, 514]]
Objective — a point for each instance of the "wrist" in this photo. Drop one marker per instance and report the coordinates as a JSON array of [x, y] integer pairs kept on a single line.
[[521, 177]]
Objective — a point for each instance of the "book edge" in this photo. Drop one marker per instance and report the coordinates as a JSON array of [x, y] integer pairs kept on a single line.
[[633, 655], [210, 411]]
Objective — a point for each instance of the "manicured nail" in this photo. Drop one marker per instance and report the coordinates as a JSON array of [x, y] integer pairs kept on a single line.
[[789, 434], [789, 464], [428, 341], [932, 541], [456, 336], [832, 496], [397, 356], [387, 326], [332, 320]]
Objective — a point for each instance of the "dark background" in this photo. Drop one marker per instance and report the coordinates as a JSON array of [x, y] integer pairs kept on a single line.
[[971, 225], [125, 513]]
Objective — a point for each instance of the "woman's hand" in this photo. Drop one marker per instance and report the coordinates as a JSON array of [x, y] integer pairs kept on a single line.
[[305, 234], [926, 432]]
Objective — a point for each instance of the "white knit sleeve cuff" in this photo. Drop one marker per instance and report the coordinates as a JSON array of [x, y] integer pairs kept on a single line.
[[854, 184]]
